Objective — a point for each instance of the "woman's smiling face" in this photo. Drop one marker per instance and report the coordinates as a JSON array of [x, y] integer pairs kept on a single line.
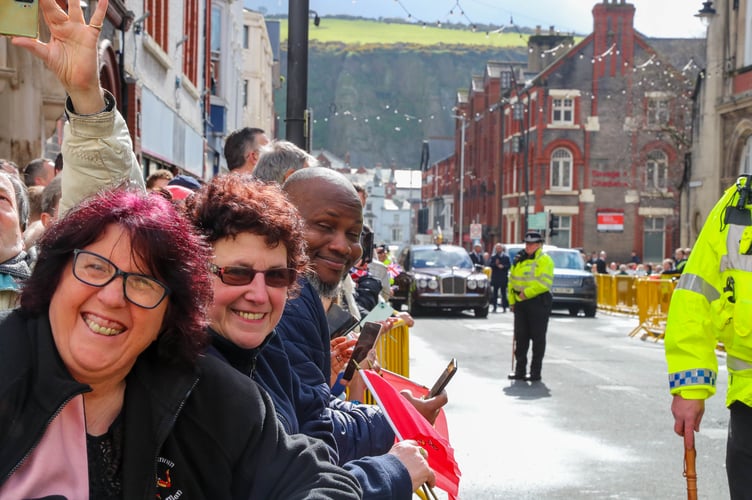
[[97, 331], [246, 314]]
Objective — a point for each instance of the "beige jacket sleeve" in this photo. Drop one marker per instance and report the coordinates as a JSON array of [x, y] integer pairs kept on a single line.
[[97, 154]]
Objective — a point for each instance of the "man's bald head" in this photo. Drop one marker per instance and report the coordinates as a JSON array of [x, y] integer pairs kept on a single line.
[[333, 215]]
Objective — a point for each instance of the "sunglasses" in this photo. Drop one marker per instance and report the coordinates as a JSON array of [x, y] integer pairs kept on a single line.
[[238, 276]]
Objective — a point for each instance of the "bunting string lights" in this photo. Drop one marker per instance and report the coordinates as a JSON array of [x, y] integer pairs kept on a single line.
[[650, 73]]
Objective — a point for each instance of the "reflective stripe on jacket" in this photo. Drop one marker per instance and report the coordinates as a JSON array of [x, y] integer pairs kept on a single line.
[[713, 302], [531, 276]]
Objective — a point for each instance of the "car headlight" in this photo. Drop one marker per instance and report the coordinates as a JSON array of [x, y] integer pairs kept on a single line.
[[427, 282], [589, 281], [480, 282]]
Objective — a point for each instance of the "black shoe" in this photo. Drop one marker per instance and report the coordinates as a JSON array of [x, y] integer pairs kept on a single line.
[[516, 376], [533, 378]]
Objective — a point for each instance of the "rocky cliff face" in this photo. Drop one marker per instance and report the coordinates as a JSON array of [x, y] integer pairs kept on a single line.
[[376, 104]]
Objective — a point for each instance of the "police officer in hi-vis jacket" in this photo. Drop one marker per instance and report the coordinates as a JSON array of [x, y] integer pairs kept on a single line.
[[712, 303], [529, 293]]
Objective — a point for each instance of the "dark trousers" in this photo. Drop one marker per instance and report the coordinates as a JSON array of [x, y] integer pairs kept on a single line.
[[530, 325], [500, 288], [739, 452]]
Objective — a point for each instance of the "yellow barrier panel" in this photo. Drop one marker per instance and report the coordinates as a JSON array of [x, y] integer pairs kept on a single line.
[[617, 293], [654, 298], [393, 353], [393, 349]]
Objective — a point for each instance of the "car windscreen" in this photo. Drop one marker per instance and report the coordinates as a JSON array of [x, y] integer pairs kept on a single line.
[[567, 260], [563, 259], [436, 258]]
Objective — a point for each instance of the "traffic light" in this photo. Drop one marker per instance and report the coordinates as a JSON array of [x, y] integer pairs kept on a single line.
[[422, 220], [552, 225]]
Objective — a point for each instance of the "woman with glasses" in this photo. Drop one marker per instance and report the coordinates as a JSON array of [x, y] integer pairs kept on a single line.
[[104, 392], [259, 248]]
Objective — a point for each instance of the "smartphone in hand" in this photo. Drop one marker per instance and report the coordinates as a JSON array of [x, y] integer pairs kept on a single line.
[[367, 339], [340, 321], [19, 18], [443, 379]]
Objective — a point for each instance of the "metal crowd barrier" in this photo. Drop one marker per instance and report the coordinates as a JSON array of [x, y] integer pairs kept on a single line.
[[646, 297], [393, 352], [393, 349]]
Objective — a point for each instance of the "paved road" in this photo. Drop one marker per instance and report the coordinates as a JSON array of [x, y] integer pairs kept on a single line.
[[598, 426]]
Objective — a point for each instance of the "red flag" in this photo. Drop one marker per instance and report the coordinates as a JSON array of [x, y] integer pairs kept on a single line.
[[401, 383], [408, 423]]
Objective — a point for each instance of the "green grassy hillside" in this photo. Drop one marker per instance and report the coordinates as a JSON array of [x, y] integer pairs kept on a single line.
[[367, 32]]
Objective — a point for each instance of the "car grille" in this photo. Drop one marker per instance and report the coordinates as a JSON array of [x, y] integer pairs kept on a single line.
[[568, 281], [453, 284]]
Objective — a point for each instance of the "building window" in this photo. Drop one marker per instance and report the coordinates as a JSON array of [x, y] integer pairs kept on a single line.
[[216, 48], [747, 38], [745, 162], [246, 36], [656, 171], [245, 93], [505, 78], [396, 234], [562, 110], [561, 169], [653, 237], [190, 45], [157, 22], [563, 236], [658, 113]]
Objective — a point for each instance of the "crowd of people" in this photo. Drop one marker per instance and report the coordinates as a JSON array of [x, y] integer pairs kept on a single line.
[[174, 334], [598, 263]]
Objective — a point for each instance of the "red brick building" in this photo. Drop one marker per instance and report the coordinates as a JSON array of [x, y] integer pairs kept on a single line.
[[592, 134]]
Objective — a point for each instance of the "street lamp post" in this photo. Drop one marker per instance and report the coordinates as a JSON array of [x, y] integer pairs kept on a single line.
[[297, 72], [519, 113], [462, 174]]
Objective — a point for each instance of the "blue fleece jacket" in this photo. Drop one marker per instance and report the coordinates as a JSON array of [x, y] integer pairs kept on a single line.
[[362, 433]]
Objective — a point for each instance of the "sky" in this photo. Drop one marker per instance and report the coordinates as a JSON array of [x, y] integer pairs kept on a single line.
[[653, 18]]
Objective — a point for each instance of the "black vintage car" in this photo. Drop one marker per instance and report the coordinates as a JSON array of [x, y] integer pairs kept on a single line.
[[440, 277]]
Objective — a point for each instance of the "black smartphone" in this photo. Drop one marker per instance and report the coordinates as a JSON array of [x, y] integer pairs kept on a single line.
[[366, 243], [443, 379], [367, 339], [19, 18], [340, 321]]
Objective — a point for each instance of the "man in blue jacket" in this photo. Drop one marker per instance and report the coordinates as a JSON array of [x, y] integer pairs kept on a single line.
[[334, 220]]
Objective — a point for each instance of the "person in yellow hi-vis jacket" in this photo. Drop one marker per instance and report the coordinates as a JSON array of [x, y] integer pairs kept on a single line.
[[712, 302], [529, 292]]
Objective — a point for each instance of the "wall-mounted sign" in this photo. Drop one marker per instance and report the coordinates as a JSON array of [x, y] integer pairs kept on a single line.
[[610, 220], [476, 231]]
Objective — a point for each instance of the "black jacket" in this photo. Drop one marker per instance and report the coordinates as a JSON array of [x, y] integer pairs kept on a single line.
[[213, 426], [499, 275]]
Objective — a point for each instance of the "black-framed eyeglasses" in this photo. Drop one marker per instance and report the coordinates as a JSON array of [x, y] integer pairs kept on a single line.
[[279, 277], [139, 289]]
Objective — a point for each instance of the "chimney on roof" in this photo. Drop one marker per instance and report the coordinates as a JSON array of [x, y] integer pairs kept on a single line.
[[545, 49], [613, 37]]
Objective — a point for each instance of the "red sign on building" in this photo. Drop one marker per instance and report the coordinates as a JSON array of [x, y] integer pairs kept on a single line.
[[610, 220]]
